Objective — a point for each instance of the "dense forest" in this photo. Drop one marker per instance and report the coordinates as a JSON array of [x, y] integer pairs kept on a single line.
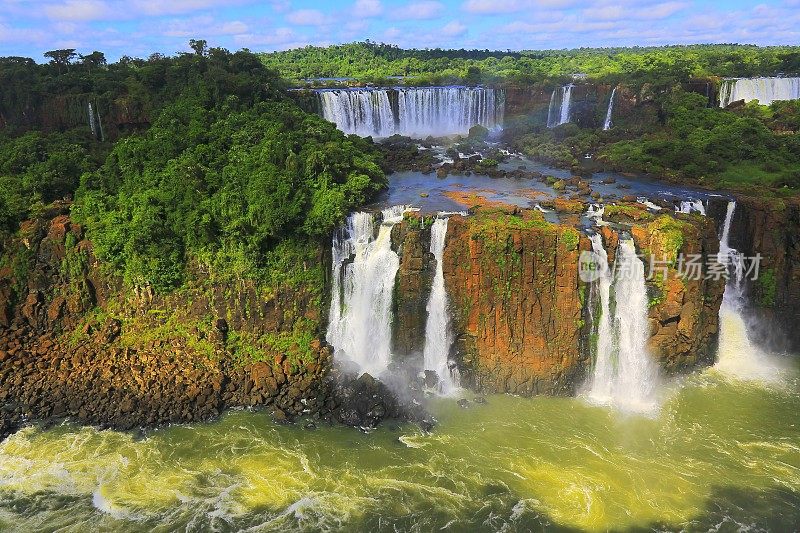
[[374, 62], [171, 161]]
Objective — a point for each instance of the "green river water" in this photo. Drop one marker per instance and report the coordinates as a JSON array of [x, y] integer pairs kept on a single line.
[[721, 455]]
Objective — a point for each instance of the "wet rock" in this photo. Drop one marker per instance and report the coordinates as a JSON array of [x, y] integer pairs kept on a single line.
[[463, 403]]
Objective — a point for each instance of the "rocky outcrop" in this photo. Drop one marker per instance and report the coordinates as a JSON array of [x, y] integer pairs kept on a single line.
[[516, 300], [684, 294], [74, 344], [412, 285]]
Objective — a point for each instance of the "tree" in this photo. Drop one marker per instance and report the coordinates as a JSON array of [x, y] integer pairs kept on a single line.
[[94, 60], [61, 58], [199, 46]]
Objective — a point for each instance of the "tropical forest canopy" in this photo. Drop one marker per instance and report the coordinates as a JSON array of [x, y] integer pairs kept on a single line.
[[203, 159], [369, 61]]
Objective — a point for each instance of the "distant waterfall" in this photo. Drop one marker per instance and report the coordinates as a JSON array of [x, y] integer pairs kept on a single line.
[[765, 90], [363, 112], [412, 111], [560, 101], [92, 120], [624, 373], [438, 331], [361, 300], [737, 356], [607, 122]]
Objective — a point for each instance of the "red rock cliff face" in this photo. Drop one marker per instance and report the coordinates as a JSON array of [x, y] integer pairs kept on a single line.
[[72, 343], [516, 300]]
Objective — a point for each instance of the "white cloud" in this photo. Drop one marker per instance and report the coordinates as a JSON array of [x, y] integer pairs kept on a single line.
[[79, 10], [493, 7], [367, 8], [203, 26], [307, 17], [453, 29], [392, 33], [418, 10], [176, 7], [617, 12]]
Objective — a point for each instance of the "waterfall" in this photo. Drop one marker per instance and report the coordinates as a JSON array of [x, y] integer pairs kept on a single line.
[[438, 331], [624, 373], [560, 101], [600, 386], [607, 122], [691, 206], [738, 357], [419, 111], [765, 90], [92, 120], [361, 300], [362, 112]]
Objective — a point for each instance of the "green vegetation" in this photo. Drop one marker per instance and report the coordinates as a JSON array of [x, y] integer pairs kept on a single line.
[[766, 288], [211, 166], [570, 238], [749, 148], [377, 63]]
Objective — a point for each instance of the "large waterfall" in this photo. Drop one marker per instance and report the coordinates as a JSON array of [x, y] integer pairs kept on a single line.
[[560, 102], [607, 121], [412, 111], [738, 356], [765, 90], [361, 301], [624, 373], [438, 331]]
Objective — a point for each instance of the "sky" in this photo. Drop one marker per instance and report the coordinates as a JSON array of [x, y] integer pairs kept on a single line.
[[140, 27]]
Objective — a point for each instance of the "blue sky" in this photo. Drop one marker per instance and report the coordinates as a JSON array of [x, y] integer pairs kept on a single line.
[[140, 27]]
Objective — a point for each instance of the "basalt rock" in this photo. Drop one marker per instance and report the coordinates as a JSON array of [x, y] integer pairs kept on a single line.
[[516, 301], [74, 345], [413, 284]]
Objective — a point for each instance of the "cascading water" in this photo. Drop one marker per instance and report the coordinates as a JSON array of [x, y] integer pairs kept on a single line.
[[607, 122], [765, 90], [361, 303], [560, 101], [92, 120], [624, 374], [600, 385], [438, 331], [691, 206], [419, 111], [362, 112], [738, 356]]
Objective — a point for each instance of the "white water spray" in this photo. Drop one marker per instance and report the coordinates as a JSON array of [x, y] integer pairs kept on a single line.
[[607, 123], [361, 304], [691, 206], [438, 331]]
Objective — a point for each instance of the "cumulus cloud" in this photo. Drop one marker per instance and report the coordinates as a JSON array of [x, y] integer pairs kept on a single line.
[[419, 10], [307, 17], [79, 10], [453, 29], [494, 7], [367, 8], [618, 12]]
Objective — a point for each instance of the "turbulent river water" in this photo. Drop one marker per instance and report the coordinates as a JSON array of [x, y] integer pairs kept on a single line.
[[721, 454]]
